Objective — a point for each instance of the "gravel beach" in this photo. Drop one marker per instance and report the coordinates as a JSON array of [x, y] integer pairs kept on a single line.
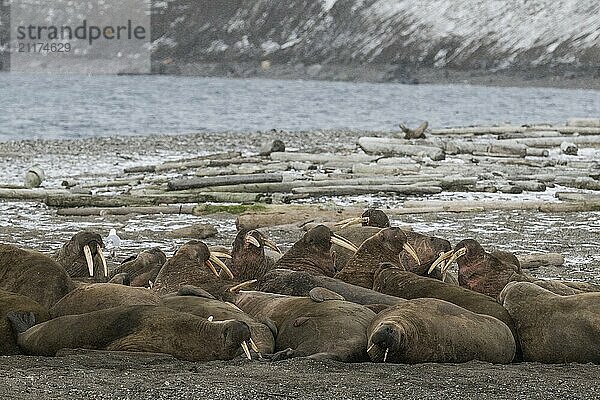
[[102, 375]]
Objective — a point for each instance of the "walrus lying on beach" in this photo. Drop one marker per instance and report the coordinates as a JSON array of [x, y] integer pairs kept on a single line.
[[299, 283], [140, 328], [554, 328], [432, 330], [11, 302], [82, 256], [100, 296], [312, 253], [142, 268], [386, 246], [407, 285], [33, 274], [248, 259], [320, 326], [192, 301]]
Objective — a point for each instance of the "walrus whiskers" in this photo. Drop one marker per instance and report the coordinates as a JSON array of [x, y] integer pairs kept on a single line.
[[88, 258]]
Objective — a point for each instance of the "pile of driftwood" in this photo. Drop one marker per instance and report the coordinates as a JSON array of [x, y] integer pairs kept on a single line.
[[506, 159]]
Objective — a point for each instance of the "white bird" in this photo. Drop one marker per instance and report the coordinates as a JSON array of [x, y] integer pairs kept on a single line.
[[112, 242]]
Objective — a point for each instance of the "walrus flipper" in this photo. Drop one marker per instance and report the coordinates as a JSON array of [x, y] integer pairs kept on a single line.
[[320, 294], [285, 354], [21, 321]]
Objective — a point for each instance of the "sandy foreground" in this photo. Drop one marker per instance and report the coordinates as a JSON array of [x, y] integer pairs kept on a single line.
[[101, 375]]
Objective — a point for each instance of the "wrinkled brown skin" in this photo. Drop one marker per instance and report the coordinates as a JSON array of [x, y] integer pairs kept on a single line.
[[72, 258], [433, 330], [100, 296], [427, 247], [355, 234], [221, 311], [407, 285], [312, 253], [139, 328], [298, 283], [33, 274], [248, 261], [332, 329], [554, 328], [143, 268], [384, 247], [483, 272], [10, 302]]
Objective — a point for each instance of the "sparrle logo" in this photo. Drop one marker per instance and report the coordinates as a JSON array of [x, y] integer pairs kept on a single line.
[[84, 37]]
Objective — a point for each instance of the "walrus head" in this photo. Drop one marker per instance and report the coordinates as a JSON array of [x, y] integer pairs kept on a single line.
[[248, 254], [386, 342], [371, 217], [197, 252], [429, 248], [83, 253], [141, 263], [312, 253], [236, 334], [477, 269]]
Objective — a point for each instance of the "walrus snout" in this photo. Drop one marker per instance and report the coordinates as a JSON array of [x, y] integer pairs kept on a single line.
[[384, 340], [236, 335]]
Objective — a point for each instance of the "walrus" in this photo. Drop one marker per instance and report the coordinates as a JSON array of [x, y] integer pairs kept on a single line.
[[33, 274], [143, 267], [312, 253], [479, 270], [192, 264], [99, 296], [407, 285], [300, 283], [433, 330], [206, 306], [371, 222], [82, 256], [385, 246], [321, 326], [554, 328], [11, 302], [141, 328], [248, 258]]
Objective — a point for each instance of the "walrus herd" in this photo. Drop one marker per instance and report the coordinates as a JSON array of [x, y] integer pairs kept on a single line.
[[350, 293]]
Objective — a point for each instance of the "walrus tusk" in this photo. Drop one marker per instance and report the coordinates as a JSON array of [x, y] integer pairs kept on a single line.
[[443, 257], [411, 250], [352, 221], [210, 318], [343, 242], [457, 254], [213, 258], [252, 240], [242, 285], [211, 267], [254, 347], [221, 254], [104, 266], [272, 245], [246, 350], [88, 258], [370, 348], [234, 306], [385, 354]]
